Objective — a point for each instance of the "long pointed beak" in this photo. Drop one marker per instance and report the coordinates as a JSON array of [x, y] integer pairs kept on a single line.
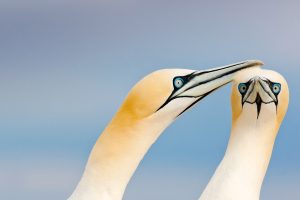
[[259, 86], [259, 92], [201, 83], [204, 82]]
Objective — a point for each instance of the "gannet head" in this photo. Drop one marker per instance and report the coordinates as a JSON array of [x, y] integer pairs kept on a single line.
[[260, 94], [170, 92]]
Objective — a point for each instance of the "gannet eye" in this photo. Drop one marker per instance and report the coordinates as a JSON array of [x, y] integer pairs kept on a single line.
[[243, 88], [276, 88], [178, 82]]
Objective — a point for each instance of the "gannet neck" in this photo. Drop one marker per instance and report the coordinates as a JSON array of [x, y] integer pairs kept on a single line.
[[242, 170], [115, 157]]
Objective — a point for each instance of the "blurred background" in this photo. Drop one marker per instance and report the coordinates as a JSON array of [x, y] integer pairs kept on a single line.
[[66, 66]]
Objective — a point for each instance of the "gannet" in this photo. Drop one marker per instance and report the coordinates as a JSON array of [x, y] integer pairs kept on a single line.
[[153, 103], [259, 103]]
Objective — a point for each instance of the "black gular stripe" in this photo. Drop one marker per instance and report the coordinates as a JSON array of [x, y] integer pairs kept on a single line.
[[258, 102]]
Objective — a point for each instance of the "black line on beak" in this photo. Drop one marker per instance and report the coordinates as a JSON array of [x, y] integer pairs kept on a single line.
[[203, 96], [193, 103], [221, 75]]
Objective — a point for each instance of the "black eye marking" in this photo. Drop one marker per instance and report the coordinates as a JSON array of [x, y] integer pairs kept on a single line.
[[178, 82]]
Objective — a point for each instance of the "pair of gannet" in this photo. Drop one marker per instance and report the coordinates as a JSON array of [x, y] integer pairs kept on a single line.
[[153, 104], [259, 103]]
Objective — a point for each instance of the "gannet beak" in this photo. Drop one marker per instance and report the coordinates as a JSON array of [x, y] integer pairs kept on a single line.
[[204, 82], [260, 90]]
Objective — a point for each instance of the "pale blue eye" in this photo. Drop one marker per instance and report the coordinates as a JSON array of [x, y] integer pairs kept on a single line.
[[276, 88], [178, 82], [243, 88]]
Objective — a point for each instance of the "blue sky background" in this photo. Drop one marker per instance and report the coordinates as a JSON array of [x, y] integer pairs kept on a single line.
[[66, 66]]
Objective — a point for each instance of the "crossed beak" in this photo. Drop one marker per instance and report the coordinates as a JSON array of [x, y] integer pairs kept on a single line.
[[204, 82], [199, 84]]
